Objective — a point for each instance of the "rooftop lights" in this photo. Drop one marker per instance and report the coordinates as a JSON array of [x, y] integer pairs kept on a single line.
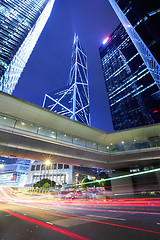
[[106, 40]]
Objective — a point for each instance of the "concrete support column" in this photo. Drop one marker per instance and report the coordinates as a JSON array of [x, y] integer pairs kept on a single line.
[[158, 177], [122, 187], [71, 175]]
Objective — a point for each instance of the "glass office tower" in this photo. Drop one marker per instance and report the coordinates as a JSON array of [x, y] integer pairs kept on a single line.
[[21, 22], [73, 100], [130, 86], [141, 19]]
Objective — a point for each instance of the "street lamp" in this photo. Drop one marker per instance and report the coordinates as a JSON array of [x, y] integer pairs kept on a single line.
[[47, 162], [1, 166]]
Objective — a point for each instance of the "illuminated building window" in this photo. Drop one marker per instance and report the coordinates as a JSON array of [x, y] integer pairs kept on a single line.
[[21, 24], [132, 92]]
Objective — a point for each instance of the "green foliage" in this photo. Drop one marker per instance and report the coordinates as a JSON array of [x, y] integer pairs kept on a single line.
[[152, 193], [91, 183], [46, 185], [106, 184], [36, 185], [45, 180], [84, 183]]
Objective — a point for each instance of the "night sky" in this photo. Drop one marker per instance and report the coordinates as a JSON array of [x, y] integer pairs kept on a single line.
[[49, 65]]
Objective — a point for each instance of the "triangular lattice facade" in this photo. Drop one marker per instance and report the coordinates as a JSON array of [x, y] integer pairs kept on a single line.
[[73, 100]]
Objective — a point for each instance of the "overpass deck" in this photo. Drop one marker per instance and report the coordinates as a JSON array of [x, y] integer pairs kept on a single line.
[[26, 126], [31, 132]]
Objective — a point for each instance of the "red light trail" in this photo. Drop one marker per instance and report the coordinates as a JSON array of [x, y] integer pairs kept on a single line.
[[43, 224], [69, 233], [97, 210]]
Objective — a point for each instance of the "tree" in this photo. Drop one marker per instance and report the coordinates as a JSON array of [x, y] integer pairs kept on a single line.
[[46, 180], [106, 184], [46, 185], [84, 182], [36, 185], [43, 181]]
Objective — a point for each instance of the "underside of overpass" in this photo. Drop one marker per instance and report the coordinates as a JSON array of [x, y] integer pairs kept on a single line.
[[21, 136]]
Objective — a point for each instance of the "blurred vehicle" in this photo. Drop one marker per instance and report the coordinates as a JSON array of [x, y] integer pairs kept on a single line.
[[70, 196]]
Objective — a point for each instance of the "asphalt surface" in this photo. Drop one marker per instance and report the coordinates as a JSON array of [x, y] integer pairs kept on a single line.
[[37, 217]]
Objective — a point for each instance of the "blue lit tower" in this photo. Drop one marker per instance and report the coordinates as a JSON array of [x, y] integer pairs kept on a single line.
[[129, 83], [73, 100], [141, 20], [21, 23]]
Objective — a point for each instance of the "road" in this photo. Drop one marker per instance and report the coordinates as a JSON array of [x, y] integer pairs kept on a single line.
[[37, 217]]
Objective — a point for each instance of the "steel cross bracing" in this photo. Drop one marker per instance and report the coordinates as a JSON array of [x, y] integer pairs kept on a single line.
[[73, 100], [146, 55]]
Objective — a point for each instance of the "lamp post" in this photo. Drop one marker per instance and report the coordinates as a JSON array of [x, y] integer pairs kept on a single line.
[[48, 163], [1, 166]]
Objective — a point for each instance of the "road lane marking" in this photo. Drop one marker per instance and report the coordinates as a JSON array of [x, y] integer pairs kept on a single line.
[[121, 219], [68, 222], [158, 223], [49, 223]]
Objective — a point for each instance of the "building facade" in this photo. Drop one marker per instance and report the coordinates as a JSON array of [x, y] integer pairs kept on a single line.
[[73, 100], [144, 17], [21, 24], [131, 88], [62, 174], [141, 20], [13, 172]]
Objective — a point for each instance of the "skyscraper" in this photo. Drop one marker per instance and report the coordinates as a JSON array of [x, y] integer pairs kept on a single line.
[[73, 100], [130, 86], [141, 19], [21, 23]]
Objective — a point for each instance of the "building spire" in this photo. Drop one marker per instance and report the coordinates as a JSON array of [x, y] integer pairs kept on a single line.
[[73, 100]]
